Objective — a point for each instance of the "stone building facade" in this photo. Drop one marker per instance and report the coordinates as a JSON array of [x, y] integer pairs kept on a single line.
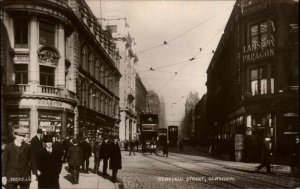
[[60, 70]]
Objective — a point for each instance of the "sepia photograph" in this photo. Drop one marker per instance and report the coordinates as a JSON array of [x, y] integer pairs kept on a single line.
[[149, 94]]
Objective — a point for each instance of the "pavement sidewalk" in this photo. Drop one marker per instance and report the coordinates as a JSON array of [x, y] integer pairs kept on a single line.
[[86, 181]]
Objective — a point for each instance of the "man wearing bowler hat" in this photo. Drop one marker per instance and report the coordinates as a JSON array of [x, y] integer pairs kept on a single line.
[[37, 144], [115, 162], [18, 162], [104, 154], [49, 165], [75, 157]]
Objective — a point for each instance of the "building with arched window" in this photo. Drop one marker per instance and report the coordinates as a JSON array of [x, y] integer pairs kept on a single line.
[[53, 52]]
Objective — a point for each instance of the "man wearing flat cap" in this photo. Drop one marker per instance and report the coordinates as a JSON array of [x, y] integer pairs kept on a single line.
[[49, 165], [18, 162]]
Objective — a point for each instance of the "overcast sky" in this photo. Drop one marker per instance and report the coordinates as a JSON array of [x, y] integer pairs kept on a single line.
[[186, 26]]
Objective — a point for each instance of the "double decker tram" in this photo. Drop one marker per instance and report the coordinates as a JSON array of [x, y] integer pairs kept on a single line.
[[149, 126]]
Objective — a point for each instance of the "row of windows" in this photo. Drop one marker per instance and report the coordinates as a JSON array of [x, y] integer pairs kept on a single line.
[[99, 71], [47, 76], [46, 33], [260, 83], [98, 102]]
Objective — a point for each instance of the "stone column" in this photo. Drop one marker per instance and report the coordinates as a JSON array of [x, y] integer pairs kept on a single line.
[[61, 63], [33, 69], [33, 121]]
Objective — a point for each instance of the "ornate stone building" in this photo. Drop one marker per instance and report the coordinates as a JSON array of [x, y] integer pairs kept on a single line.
[[119, 30], [60, 69]]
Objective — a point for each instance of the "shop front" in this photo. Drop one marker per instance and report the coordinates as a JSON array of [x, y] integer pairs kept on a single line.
[[94, 125]]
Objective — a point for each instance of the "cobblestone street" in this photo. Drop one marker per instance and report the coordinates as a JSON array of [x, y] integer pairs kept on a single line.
[[188, 171]]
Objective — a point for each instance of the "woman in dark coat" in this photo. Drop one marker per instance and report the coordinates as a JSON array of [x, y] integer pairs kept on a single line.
[[49, 165], [115, 162]]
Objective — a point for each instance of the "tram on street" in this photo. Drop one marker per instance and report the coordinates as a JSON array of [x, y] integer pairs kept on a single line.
[[149, 126]]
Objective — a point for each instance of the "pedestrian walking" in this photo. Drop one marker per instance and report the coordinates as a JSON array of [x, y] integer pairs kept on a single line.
[[18, 162], [294, 156], [131, 147], [104, 155], [126, 144], [49, 164], [59, 148], [97, 158], [166, 148], [87, 152], [180, 146], [137, 144], [75, 157], [266, 155], [115, 162], [36, 144]]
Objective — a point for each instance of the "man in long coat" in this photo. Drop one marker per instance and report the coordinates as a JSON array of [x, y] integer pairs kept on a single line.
[[18, 162], [49, 164], [87, 152], [266, 155], [75, 157], [104, 154], [115, 162], [97, 158], [36, 144]]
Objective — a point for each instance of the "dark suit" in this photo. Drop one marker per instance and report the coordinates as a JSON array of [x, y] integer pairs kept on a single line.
[[87, 152], [17, 163], [97, 158], [50, 167], [59, 148], [75, 157], [115, 162], [104, 154], [36, 146]]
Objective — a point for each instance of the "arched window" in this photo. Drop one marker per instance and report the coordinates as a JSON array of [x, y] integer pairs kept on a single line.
[[97, 101], [84, 57], [96, 70], [102, 75], [84, 94], [106, 106], [102, 104], [91, 98], [91, 68], [106, 78]]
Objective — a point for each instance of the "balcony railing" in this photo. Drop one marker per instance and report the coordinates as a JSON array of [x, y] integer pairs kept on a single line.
[[24, 89], [21, 88]]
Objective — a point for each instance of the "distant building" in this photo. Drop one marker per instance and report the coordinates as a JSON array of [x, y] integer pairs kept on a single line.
[[153, 103], [202, 136], [188, 125], [140, 101]]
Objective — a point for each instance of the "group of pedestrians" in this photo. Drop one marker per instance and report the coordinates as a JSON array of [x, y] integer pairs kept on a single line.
[[43, 156]]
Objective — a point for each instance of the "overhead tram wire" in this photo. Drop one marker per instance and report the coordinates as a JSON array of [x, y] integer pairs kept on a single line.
[[167, 42]]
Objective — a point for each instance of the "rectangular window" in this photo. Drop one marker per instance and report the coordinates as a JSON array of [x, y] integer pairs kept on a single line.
[[259, 81], [46, 75], [112, 29], [47, 34], [21, 73], [21, 33], [259, 34]]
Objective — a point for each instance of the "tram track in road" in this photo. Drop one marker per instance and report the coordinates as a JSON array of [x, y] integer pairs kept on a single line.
[[231, 172], [204, 175]]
